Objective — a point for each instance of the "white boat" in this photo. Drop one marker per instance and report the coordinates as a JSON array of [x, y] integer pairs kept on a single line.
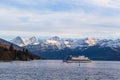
[[78, 59]]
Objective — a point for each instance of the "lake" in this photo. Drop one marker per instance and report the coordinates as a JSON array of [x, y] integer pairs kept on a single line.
[[57, 70]]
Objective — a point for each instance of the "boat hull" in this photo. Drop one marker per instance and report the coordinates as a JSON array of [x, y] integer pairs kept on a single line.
[[72, 61]]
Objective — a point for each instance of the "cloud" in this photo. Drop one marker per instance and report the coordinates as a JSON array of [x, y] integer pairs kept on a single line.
[[73, 18], [104, 3]]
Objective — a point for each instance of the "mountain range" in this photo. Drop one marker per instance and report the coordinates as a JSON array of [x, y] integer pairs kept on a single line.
[[59, 48]]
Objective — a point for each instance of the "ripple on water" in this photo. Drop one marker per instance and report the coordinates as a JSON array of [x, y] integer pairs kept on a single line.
[[56, 70]]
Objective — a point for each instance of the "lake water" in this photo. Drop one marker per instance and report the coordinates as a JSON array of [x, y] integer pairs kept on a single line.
[[57, 70]]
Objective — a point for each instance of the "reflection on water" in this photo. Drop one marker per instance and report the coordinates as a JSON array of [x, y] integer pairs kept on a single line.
[[57, 70]]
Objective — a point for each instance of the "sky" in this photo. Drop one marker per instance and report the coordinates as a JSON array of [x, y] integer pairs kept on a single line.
[[64, 18]]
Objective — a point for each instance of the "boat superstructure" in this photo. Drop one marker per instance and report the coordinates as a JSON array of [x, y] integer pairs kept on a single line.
[[77, 59]]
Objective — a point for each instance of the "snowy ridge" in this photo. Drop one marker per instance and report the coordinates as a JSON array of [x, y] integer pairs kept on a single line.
[[22, 41], [109, 43], [60, 43]]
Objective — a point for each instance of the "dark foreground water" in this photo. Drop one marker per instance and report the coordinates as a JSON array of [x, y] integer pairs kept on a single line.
[[57, 70]]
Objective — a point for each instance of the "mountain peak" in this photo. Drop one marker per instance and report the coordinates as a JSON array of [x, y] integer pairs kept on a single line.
[[34, 40], [20, 41], [18, 37], [91, 41], [55, 38]]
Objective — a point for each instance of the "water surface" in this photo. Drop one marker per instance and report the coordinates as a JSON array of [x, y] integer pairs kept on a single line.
[[57, 70]]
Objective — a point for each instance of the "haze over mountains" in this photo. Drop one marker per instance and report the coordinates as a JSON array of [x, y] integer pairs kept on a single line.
[[58, 48]]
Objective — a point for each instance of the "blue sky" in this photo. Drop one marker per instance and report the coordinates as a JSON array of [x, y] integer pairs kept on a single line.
[[64, 18]]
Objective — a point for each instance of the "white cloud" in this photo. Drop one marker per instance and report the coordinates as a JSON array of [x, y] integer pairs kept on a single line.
[[105, 3], [75, 23]]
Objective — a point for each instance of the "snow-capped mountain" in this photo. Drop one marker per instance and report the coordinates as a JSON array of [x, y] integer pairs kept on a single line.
[[56, 38], [108, 43], [60, 43], [58, 48], [91, 41], [9, 44], [53, 42], [34, 40], [20, 41]]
